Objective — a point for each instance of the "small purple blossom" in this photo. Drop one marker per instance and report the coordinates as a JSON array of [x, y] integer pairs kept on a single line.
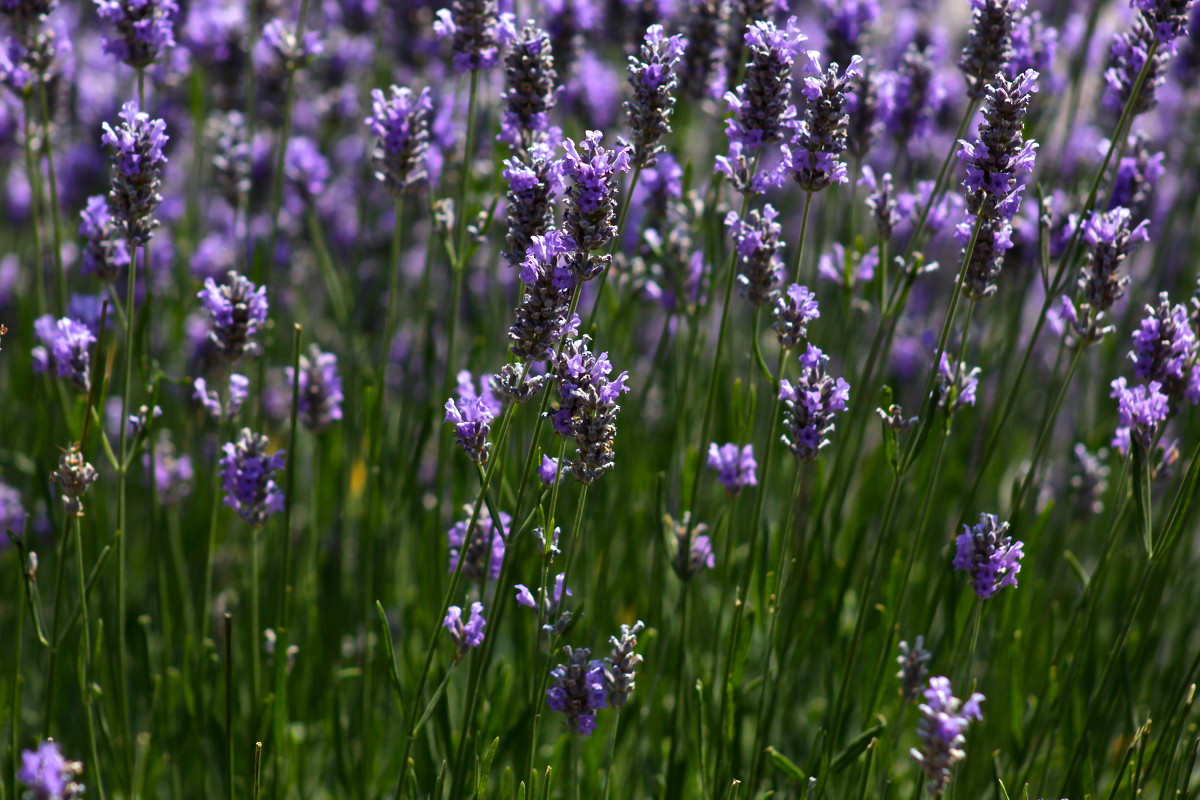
[[652, 78], [472, 414], [1165, 351], [248, 477], [478, 31], [693, 547], [761, 106], [810, 404], [173, 474], [1140, 410], [590, 216], [236, 394], [465, 635], [549, 470], [281, 47], [400, 121], [587, 410], [579, 690], [941, 729], [735, 466], [989, 555], [237, 309], [320, 389], [136, 148], [143, 28], [485, 551], [956, 384], [105, 252], [757, 239], [66, 347], [1168, 18], [48, 775]]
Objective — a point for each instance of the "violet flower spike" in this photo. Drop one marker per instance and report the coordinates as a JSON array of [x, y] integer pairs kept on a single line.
[[956, 385], [620, 668], [237, 309], [66, 347], [74, 477], [478, 31], [466, 635], [587, 410], [941, 729], [47, 775], [914, 668], [136, 148], [400, 121], [757, 240], [1140, 411], [989, 555], [541, 318], [995, 162], [530, 94], [484, 553], [652, 79], [811, 157], [248, 478], [590, 216], [1166, 351], [761, 106], [735, 466], [320, 389], [578, 690], [143, 28], [105, 252], [989, 42], [693, 547], [810, 405]]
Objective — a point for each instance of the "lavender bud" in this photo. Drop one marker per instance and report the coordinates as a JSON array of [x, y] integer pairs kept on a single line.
[[1168, 18], [237, 309], [73, 476], [944, 718], [846, 24], [1126, 57], [761, 106], [231, 154], [995, 161], [541, 318], [863, 109], [913, 96], [468, 635], [105, 252], [810, 404], [693, 547], [529, 96], [955, 385], [248, 478], [320, 389], [987, 257], [989, 42], [620, 668], [1140, 410], [1108, 239], [591, 200], [578, 690], [820, 137], [587, 409], [701, 71], [1165, 352], [914, 668], [144, 28], [285, 49], [66, 347], [400, 121], [136, 149], [484, 553], [173, 474], [1090, 480], [533, 181], [477, 31], [757, 240], [881, 202], [988, 555], [652, 78], [735, 466], [236, 394]]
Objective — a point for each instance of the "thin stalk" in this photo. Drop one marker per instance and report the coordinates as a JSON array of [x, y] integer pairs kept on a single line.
[[31, 169], [281, 607], [85, 677], [229, 771], [15, 695], [460, 237], [938, 185], [608, 757], [55, 231], [670, 786], [808, 196]]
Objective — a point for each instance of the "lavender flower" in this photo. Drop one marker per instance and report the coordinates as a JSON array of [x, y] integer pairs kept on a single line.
[[472, 416], [556, 618], [468, 635], [549, 470], [248, 477], [12, 513], [105, 252], [1168, 18], [236, 394], [477, 30], [863, 110], [66, 347], [652, 78], [579, 690], [320, 389], [230, 154], [955, 385], [1089, 480], [136, 148], [881, 202], [810, 404], [1108, 238], [237, 309], [305, 168], [1034, 46], [173, 474], [400, 122], [74, 476], [701, 71], [914, 668], [281, 47], [987, 257], [1139, 412], [1137, 174], [485, 550], [944, 718], [989, 555], [587, 410], [1165, 351], [620, 669], [1000, 155], [693, 547], [761, 106], [989, 42], [820, 135], [913, 95], [757, 241], [846, 24], [47, 775], [541, 318], [533, 181], [529, 96], [735, 466], [1126, 58], [144, 29], [591, 200]]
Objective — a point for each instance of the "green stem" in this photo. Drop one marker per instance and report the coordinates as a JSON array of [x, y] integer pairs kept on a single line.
[[460, 236], [281, 608], [56, 228], [31, 168], [85, 678]]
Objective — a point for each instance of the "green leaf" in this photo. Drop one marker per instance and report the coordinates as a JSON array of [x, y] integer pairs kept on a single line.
[[786, 766], [1141, 494], [389, 651], [855, 748], [485, 768]]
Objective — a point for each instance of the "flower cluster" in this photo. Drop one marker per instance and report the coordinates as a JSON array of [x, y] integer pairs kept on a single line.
[[735, 465], [620, 668], [591, 200], [554, 617], [48, 775], [820, 134], [472, 414], [235, 396], [1127, 56], [955, 385], [541, 318], [652, 78], [74, 476], [66, 348], [988, 555], [989, 42], [793, 311], [237, 308], [483, 554], [578, 690], [144, 29], [944, 719], [12, 513], [1109, 238], [995, 161], [762, 106], [105, 252], [912, 96], [587, 410], [136, 146], [400, 122], [477, 31], [531, 87], [1140, 411], [282, 46], [320, 389], [1165, 351], [465, 635], [846, 24], [809, 405], [757, 241], [533, 181], [1168, 18], [914, 668], [248, 477], [701, 68], [693, 547]]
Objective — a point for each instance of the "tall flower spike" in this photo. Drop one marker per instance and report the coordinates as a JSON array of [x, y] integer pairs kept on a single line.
[[484, 553], [793, 311], [810, 404], [105, 252], [735, 466], [914, 668], [652, 78], [400, 122], [762, 106], [237, 309], [533, 180], [1140, 411], [987, 258], [578, 690], [1126, 57], [941, 729], [996, 160], [820, 137], [228, 132], [989, 555], [136, 147], [1168, 18], [248, 478], [143, 28], [320, 389], [989, 42], [587, 410], [590, 216], [1108, 238], [701, 71], [846, 23], [66, 347], [1137, 174], [620, 668], [863, 123], [48, 775], [1165, 350], [477, 30], [465, 635], [529, 96], [757, 241], [541, 318], [913, 95], [74, 476]]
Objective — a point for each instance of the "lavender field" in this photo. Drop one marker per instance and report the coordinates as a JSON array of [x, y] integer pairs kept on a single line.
[[537, 399]]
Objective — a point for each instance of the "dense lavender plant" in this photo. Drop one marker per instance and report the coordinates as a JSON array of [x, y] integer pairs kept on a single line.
[[811, 157], [400, 122], [914, 668], [320, 389], [74, 476], [143, 28], [248, 477], [66, 348], [591, 212], [810, 404], [757, 241], [989, 42], [136, 148], [47, 775], [652, 78], [989, 555], [477, 31], [578, 690], [587, 410], [620, 668], [944, 719], [484, 553], [237, 308], [762, 106], [735, 465], [465, 635], [530, 93], [997, 158]]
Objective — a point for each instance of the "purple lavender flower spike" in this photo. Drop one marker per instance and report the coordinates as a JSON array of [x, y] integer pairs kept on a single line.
[[1034, 46], [762, 107], [989, 42], [757, 241], [144, 29], [485, 552], [987, 258], [136, 147], [1140, 411], [587, 410], [989, 555], [881, 202], [237, 309], [701, 73], [590, 216], [810, 404], [941, 729], [541, 318], [173, 474], [793, 311], [914, 668], [238, 391], [1168, 18], [66, 346], [248, 478], [620, 668], [478, 31], [1108, 238], [12, 513], [305, 167], [530, 94], [863, 110], [1137, 174], [652, 78], [811, 157], [956, 385], [1166, 350], [996, 160], [693, 547], [465, 635], [533, 181], [1126, 57], [281, 48], [735, 466], [549, 471], [47, 775], [104, 252], [400, 121], [912, 95], [846, 24], [320, 389], [579, 690], [472, 421]]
